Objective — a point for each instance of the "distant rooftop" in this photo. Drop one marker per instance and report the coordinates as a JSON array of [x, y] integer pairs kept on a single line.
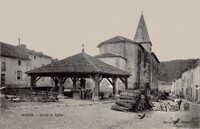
[[19, 51]]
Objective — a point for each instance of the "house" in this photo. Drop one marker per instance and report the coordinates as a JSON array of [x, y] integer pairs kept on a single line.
[[178, 87], [164, 87], [188, 84], [16, 60], [134, 56], [196, 82]]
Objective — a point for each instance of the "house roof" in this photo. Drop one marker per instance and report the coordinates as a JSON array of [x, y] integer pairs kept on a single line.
[[8, 50], [142, 35], [196, 64], [20, 51], [108, 55], [25, 51], [78, 64]]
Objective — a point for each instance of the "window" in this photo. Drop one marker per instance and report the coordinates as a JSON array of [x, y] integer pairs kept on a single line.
[[19, 75], [199, 75], [3, 66], [19, 62], [34, 57]]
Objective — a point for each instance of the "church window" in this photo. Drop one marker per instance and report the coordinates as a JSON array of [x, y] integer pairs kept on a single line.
[[3, 66]]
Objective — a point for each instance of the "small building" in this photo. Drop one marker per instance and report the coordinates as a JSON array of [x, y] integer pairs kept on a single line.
[[80, 67], [187, 84], [178, 87], [196, 82], [16, 60], [164, 87]]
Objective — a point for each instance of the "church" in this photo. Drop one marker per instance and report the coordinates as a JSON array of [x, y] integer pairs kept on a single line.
[[133, 56]]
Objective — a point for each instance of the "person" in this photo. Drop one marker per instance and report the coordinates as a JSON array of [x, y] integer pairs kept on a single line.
[[93, 90], [179, 104]]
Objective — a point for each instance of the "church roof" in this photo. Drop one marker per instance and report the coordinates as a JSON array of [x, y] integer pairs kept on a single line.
[[156, 58], [119, 39], [141, 35], [108, 55], [114, 40], [79, 64]]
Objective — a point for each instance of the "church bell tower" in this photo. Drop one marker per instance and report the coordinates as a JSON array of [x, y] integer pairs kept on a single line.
[[142, 35]]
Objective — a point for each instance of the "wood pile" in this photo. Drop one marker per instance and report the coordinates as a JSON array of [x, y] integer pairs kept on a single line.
[[133, 100]]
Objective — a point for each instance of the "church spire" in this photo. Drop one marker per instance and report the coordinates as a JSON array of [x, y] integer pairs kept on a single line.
[[141, 35]]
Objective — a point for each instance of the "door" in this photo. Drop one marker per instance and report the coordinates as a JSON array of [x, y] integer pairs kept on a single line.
[[196, 99], [3, 79]]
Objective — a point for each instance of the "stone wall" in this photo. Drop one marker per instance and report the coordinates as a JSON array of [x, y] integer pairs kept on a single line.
[[130, 52], [154, 73]]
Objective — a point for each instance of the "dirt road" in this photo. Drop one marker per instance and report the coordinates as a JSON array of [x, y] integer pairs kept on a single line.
[[87, 115]]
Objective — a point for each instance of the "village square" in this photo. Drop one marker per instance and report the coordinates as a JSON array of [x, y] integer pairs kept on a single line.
[[121, 87]]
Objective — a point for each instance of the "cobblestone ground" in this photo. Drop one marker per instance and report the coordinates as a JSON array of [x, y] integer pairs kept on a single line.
[[82, 114]]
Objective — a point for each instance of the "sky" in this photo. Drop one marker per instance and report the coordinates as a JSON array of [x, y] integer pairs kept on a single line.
[[58, 28]]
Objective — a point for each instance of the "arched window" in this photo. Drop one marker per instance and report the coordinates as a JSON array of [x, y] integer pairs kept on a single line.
[[3, 66]]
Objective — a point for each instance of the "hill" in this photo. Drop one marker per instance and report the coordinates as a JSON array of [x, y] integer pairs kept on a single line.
[[170, 70]]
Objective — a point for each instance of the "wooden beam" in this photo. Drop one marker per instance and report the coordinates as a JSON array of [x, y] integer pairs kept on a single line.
[[124, 81], [64, 80], [101, 79], [38, 78], [53, 78], [33, 78], [74, 80], [113, 83], [56, 81], [92, 78], [110, 81], [114, 80]]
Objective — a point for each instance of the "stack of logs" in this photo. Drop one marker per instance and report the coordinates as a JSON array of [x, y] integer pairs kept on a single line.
[[133, 100]]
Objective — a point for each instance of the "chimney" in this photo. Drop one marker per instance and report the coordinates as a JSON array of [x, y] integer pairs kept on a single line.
[[18, 41]]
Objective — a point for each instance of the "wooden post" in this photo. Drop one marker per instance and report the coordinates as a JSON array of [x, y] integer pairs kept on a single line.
[[125, 82], [113, 83], [114, 80], [97, 79], [74, 80], [61, 87], [61, 82], [33, 82]]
